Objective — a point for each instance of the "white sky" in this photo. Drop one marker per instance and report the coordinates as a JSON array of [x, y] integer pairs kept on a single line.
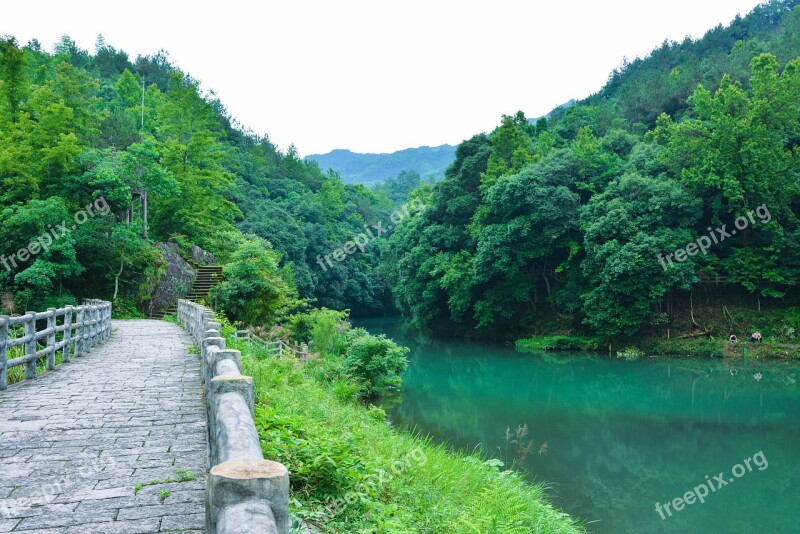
[[379, 76]]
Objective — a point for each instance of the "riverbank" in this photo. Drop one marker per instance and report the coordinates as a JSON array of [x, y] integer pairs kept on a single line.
[[352, 472], [690, 347], [702, 333]]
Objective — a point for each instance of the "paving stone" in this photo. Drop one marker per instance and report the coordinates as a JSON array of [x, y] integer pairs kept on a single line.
[[47, 509], [140, 526], [89, 497], [183, 522], [67, 520], [75, 442], [159, 510]]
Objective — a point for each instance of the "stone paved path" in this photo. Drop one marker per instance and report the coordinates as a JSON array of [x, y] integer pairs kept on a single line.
[[76, 441]]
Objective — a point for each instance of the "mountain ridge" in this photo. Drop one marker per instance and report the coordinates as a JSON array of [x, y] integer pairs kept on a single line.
[[356, 167]]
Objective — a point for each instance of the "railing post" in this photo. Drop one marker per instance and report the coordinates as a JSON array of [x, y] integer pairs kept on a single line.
[[51, 339], [93, 327], [101, 323], [30, 345], [103, 319], [3, 352], [107, 321], [87, 344], [81, 330], [67, 337]]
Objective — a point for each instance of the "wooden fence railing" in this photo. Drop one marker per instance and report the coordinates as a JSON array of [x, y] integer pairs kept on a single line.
[[73, 330], [275, 348]]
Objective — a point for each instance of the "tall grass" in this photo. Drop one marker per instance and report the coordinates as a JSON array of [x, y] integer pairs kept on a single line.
[[351, 472]]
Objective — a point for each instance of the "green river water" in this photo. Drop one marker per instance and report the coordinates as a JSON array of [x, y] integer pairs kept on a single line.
[[620, 436]]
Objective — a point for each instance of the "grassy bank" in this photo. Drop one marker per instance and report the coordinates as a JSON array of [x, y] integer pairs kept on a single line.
[[566, 342], [351, 472], [780, 328], [692, 347]]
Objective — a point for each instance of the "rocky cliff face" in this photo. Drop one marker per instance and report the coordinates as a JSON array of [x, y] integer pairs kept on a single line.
[[174, 283], [201, 257]]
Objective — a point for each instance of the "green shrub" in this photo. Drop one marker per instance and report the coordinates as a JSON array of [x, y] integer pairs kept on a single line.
[[323, 328], [559, 343], [630, 354], [370, 364], [345, 390], [125, 308], [375, 361], [255, 289]]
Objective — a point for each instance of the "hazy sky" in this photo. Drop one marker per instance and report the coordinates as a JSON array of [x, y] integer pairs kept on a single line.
[[379, 76]]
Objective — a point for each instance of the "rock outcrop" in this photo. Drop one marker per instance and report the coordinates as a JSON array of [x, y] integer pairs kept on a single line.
[[174, 283]]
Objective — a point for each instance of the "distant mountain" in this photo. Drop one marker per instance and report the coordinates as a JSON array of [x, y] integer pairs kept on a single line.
[[429, 162]]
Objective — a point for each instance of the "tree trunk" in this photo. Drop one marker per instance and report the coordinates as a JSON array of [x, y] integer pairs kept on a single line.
[[144, 213], [116, 278], [691, 309], [549, 293]]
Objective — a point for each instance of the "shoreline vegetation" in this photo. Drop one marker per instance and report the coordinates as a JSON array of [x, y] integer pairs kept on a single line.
[[705, 335], [689, 347], [353, 472]]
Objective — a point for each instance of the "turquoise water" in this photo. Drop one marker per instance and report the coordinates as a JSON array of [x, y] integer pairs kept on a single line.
[[620, 436]]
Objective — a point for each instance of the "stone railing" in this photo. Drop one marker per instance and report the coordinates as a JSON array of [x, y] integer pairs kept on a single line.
[[244, 492], [81, 328]]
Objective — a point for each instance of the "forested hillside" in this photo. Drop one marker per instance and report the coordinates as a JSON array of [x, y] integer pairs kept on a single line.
[[77, 128], [429, 162], [585, 219], [607, 217]]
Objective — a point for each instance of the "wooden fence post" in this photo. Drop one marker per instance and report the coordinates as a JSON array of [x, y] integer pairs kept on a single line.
[[30, 345], [66, 338], [51, 339], [3, 352]]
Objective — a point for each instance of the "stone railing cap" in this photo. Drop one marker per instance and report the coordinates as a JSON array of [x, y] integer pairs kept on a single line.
[[249, 469]]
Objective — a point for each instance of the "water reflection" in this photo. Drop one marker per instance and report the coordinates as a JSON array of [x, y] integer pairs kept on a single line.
[[620, 436]]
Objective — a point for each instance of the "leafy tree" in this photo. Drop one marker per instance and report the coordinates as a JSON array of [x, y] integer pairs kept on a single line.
[[625, 227], [50, 259], [14, 86], [255, 290]]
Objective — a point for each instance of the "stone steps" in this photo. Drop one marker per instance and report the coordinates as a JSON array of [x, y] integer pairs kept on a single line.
[[208, 276]]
